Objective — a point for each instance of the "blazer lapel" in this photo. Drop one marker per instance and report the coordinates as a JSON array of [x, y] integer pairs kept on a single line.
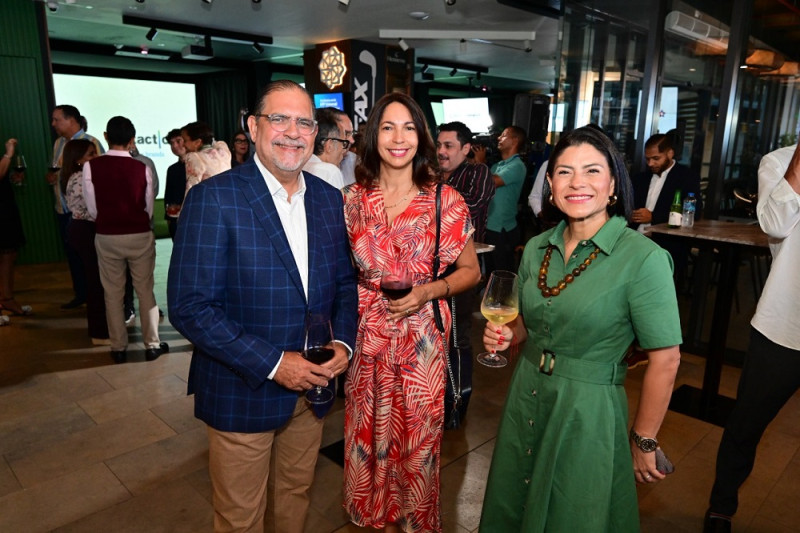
[[314, 219], [257, 194]]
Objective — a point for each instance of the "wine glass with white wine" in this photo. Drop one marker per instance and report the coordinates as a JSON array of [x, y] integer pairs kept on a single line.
[[500, 305]]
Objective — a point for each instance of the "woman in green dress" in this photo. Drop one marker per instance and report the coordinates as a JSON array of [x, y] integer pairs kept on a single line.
[[563, 460]]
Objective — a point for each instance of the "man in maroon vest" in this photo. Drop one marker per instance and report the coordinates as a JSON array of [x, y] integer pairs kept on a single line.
[[119, 194]]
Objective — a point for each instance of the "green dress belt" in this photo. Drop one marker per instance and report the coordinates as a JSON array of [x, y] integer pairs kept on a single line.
[[599, 373]]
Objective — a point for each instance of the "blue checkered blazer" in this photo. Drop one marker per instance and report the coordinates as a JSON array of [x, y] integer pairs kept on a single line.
[[235, 292]]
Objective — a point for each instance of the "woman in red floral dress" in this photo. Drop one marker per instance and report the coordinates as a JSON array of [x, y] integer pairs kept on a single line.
[[395, 390]]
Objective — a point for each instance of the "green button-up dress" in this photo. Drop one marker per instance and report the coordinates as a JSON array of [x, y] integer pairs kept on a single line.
[[562, 461]]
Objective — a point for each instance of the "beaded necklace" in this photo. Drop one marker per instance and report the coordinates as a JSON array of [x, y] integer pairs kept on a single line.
[[555, 290]]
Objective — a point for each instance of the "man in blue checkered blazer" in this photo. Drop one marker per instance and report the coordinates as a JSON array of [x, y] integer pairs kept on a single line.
[[258, 249]]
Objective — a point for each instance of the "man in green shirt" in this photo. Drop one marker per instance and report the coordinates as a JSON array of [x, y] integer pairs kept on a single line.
[[509, 174]]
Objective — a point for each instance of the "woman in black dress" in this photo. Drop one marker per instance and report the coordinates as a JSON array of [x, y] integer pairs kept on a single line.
[[11, 236]]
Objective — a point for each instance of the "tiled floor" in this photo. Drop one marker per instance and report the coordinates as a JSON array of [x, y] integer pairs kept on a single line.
[[88, 446]]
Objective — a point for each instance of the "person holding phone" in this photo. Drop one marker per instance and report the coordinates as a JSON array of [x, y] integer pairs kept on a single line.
[[564, 456]]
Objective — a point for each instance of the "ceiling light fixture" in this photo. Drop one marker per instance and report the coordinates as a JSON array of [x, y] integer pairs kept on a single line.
[[205, 1], [217, 34], [790, 69], [140, 53], [764, 60], [452, 66], [402, 44], [344, 2], [152, 33], [257, 47], [457, 35], [256, 1]]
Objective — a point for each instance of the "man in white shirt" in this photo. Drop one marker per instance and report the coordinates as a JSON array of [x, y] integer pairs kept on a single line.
[[654, 189], [348, 164], [771, 373], [260, 248], [535, 197], [66, 121], [119, 196], [330, 146]]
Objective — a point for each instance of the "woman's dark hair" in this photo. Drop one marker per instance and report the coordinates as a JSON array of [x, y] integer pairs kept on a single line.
[[74, 150], [598, 140], [199, 130], [242, 133], [425, 166], [234, 153]]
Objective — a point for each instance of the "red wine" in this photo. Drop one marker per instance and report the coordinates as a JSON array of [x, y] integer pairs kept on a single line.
[[394, 290], [318, 355]]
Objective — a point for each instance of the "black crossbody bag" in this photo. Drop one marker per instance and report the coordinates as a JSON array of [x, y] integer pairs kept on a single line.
[[457, 393]]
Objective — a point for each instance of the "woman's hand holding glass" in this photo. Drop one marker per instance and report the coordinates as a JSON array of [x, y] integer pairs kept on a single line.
[[396, 286], [500, 305], [496, 337]]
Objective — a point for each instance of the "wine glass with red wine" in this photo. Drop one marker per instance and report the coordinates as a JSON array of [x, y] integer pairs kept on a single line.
[[19, 170], [318, 350], [395, 284]]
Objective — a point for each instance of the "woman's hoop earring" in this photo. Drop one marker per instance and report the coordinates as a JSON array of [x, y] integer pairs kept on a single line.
[[551, 200], [612, 200]]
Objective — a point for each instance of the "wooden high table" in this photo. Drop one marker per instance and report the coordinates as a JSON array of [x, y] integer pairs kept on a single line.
[[730, 239]]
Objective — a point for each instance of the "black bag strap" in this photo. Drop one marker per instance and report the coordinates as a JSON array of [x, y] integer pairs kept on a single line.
[[437, 314]]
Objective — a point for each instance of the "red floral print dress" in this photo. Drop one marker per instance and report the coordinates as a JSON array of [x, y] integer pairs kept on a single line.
[[395, 389]]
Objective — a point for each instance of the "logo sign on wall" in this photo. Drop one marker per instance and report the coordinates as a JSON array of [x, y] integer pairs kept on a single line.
[[332, 67], [369, 78]]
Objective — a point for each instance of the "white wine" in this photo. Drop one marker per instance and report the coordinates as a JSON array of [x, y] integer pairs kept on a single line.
[[499, 314]]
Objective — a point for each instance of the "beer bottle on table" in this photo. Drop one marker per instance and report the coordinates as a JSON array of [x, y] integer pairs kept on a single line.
[[676, 211]]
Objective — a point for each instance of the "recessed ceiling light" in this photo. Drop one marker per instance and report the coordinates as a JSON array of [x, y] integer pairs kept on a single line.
[[419, 15]]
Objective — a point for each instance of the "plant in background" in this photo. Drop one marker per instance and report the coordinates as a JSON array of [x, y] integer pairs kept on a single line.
[[788, 139]]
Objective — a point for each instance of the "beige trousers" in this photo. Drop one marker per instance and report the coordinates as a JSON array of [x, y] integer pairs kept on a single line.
[[240, 464], [115, 254]]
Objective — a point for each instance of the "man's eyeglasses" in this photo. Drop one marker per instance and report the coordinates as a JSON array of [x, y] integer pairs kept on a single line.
[[280, 123], [345, 142]]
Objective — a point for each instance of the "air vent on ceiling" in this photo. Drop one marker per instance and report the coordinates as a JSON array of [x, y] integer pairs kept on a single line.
[[696, 29]]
